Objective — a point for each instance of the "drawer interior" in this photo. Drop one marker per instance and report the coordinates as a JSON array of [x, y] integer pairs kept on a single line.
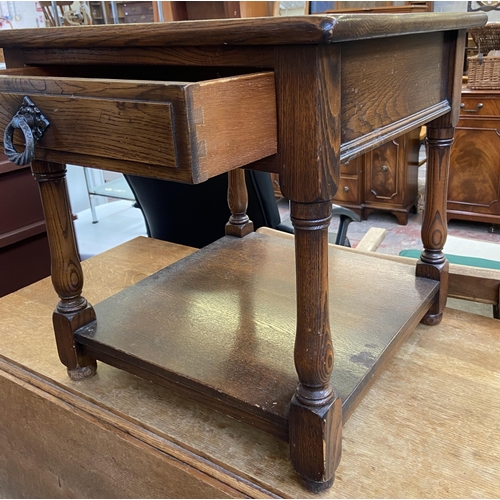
[[188, 74]]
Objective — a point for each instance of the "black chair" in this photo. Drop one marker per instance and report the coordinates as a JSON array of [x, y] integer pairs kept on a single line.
[[196, 215]]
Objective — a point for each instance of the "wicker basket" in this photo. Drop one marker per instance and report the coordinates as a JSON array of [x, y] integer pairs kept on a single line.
[[483, 71]]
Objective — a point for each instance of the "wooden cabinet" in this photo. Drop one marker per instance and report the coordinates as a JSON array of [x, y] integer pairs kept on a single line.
[[24, 249], [124, 12], [474, 183], [383, 179]]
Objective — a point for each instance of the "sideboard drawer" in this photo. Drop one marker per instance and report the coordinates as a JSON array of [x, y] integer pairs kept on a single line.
[[352, 167], [348, 189], [183, 130], [471, 107]]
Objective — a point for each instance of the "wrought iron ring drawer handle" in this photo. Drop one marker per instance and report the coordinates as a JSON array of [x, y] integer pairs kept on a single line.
[[32, 124], [478, 107]]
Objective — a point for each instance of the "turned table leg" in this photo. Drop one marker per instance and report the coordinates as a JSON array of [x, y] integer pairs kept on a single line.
[[73, 311], [237, 198], [315, 418], [433, 263]]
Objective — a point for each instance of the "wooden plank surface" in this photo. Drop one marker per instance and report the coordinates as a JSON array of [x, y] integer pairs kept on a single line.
[[222, 323], [465, 282], [427, 428], [233, 122], [418, 62], [102, 127], [251, 31], [371, 240]]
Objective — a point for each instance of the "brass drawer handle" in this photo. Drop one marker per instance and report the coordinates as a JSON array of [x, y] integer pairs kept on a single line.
[[478, 107], [33, 124]]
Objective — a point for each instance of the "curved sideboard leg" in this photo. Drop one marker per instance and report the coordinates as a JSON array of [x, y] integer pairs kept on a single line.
[[73, 311]]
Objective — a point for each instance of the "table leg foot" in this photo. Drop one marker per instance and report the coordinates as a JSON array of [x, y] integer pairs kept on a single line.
[[79, 365], [438, 272], [432, 319], [83, 372], [315, 442], [315, 487]]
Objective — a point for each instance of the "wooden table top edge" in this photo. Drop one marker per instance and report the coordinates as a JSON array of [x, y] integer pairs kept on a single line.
[[312, 29]]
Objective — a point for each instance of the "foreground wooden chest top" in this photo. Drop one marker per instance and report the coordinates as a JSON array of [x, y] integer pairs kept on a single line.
[[120, 436], [319, 90]]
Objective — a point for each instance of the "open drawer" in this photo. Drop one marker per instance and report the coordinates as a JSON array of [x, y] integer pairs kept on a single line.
[[159, 121]]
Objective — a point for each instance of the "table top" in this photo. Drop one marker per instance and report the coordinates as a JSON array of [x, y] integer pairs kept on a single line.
[[315, 29]]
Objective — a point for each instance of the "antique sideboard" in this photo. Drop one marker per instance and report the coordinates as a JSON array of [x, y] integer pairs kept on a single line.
[[385, 178], [474, 187], [232, 325]]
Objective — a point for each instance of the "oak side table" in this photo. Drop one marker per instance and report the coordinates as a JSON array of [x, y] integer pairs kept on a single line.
[[232, 325]]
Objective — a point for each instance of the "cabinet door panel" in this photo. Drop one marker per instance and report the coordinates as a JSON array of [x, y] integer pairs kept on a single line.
[[383, 172], [474, 184]]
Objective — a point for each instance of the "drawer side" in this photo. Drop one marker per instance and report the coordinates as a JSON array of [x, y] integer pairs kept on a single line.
[[232, 122]]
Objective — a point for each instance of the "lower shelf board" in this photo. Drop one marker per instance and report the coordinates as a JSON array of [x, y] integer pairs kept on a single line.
[[219, 325]]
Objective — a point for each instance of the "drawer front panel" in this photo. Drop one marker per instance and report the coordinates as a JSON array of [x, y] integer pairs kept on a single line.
[[471, 107], [117, 129], [353, 167], [348, 190], [384, 166]]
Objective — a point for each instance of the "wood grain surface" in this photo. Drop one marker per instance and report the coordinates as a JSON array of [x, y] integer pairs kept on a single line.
[[309, 109], [222, 323], [465, 282], [474, 185], [233, 122], [101, 127], [112, 113], [219, 55], [435, 436], [368, 68], [256, 31]]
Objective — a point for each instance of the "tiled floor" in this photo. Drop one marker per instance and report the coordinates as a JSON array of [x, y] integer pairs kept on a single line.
[[118, 222]]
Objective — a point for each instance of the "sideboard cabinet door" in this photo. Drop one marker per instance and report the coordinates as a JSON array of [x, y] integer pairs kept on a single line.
[[383, 179], [474, 183]]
